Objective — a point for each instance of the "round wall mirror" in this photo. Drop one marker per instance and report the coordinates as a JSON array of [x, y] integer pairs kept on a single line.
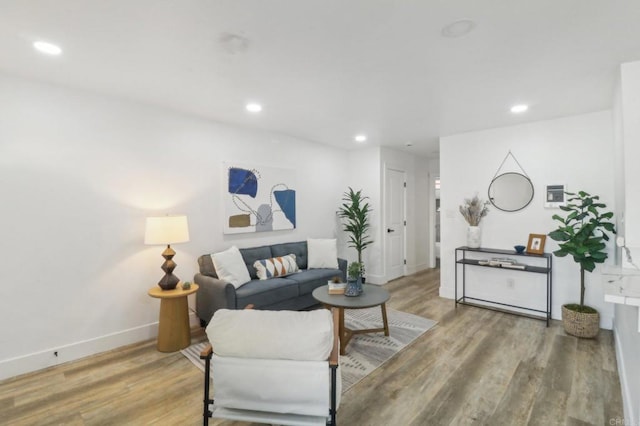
[[511, 192]]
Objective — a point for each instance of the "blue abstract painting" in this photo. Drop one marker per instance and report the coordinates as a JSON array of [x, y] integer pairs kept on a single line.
[[259, 199]]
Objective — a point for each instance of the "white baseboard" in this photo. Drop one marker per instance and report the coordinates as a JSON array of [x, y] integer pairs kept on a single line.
[[412, 269], [375, 279], [627, 402], [556, 310], [47, 358], [447, 292]]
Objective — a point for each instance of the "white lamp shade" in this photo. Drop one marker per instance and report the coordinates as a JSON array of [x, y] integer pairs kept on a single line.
[[166, 230]]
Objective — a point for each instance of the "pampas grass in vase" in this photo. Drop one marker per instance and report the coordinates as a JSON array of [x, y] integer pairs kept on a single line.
[[473, 210]]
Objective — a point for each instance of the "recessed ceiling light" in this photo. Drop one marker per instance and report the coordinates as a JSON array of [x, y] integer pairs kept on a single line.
[[253, 107], [360, 138], [517, 109], [48, 48], [458, 28]]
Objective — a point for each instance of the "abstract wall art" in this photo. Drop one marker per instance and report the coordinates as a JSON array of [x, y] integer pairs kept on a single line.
[[258, 198]]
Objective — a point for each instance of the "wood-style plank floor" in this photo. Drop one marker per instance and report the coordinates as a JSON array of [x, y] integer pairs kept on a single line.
[[475, 367]]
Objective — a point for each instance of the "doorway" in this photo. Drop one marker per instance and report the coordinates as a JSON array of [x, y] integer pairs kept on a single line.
[[395, 223], [436, 187]]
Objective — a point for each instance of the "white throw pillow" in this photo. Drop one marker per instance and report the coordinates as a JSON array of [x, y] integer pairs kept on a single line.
[[230, 267], [322, 253]]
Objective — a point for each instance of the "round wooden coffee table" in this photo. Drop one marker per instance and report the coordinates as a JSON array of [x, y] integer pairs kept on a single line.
[[372, 295]]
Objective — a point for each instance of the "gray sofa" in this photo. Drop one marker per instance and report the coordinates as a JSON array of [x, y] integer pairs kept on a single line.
[[292, 292]]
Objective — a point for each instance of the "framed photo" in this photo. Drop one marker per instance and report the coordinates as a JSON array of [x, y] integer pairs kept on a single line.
[[536, 243]]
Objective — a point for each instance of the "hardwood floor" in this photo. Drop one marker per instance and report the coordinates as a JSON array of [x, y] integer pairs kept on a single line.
[[475, 367]]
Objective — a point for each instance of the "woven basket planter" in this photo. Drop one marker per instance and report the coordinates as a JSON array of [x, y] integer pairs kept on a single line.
[[580, 324]]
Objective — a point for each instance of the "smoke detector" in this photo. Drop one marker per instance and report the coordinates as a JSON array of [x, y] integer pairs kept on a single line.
[[233, 43], [458, 28]]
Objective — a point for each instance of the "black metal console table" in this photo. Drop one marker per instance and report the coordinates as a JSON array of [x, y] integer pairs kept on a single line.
[[463, 259]]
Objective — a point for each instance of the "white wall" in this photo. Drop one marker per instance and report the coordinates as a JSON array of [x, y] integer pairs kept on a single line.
[[627, 150], [367, 172], [79, 174], [630, 76], [575, 151], [416, 207], [364, 174]]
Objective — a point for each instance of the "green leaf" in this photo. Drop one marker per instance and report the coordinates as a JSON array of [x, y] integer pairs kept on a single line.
[[559, 235], [588, 265]]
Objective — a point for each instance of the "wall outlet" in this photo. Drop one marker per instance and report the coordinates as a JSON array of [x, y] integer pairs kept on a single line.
[[510, 282]]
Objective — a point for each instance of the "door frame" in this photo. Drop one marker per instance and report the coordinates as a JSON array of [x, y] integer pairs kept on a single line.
[[385, 224], [432, 220]]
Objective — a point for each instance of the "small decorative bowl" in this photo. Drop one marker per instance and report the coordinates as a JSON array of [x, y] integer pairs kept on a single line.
[[519, 249]]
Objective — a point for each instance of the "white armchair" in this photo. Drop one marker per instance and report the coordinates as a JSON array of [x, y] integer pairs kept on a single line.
[[277, 367]]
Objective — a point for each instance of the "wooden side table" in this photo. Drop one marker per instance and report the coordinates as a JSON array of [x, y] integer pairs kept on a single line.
[[173, 331]]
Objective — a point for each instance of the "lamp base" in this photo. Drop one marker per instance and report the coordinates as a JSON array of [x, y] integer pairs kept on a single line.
[[168, 282]]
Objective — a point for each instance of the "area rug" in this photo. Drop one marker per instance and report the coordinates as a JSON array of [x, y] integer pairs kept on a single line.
[[365, 352]]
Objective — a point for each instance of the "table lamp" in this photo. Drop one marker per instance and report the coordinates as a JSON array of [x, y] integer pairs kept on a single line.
[[167, 230]]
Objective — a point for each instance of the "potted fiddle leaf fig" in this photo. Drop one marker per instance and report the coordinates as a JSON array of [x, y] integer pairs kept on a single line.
[[355, 210], [582, 235]]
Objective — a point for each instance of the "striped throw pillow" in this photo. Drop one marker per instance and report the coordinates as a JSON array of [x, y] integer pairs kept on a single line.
[[276, 266]]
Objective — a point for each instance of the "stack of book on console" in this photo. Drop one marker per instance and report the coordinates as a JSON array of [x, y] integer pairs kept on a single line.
[[502, 263], [336, 288]]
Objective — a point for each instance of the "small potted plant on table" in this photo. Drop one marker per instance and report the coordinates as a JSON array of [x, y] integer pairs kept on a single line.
[[581, 235], [354, 281]]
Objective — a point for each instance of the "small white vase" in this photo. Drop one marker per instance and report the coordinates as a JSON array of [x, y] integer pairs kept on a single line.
[[473, 236]]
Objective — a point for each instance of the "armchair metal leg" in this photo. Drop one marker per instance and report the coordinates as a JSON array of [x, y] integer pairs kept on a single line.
[[332, 409], [206, 413]]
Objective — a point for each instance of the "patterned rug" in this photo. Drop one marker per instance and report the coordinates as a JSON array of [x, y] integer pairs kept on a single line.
[[365, 352]]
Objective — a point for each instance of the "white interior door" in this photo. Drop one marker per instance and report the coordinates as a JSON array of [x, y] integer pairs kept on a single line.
[[394, 223]]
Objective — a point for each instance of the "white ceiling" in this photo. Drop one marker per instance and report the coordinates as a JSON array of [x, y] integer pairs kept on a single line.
[[326, 70]]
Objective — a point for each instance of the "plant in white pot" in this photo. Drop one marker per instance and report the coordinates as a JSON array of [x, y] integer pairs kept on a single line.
[[473, 210], [355, 210], [582, 235]]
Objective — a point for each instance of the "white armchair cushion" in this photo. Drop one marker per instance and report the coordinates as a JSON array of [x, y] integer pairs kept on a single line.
[[291, 335], [322, 253], [272, 385]]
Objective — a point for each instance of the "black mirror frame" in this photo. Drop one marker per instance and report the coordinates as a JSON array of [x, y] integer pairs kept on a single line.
[[511, 173]]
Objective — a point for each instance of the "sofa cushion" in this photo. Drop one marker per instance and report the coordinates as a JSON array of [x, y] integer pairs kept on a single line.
[[276, 267], [311, 279], [251, 333], [250, 255], [230, 267], [298, 248], [267, 292], [323, 253]]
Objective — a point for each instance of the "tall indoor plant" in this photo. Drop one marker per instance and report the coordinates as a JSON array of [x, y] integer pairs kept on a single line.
[[356, 210], [582, 234]]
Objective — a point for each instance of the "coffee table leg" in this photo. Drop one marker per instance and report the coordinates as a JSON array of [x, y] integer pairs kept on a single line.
[[384, 319]]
